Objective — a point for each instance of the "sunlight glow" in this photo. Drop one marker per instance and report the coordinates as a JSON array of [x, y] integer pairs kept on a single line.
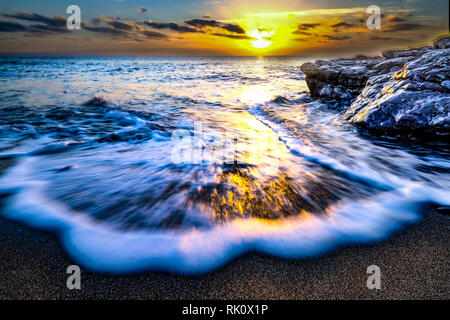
[[262, 38]]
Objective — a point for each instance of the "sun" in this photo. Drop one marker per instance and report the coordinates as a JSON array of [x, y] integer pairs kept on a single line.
[[262, 38]]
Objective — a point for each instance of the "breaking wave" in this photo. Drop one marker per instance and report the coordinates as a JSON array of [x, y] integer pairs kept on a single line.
[[92, 161]]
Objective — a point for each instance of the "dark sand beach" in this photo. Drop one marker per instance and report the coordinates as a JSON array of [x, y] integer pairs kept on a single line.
[[413, 262]]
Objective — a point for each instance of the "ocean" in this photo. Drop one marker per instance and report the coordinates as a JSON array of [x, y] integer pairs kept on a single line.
[[183, 163]]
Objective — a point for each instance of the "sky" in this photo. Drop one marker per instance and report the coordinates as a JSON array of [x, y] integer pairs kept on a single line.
[[218, 27]]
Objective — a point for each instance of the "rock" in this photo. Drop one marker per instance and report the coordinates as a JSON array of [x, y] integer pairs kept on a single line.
[[410, 53], [281, 100], [443, 210], [446, 84], [391, 65], [404, 91], [340, 79], [442, 43], [411, 100]]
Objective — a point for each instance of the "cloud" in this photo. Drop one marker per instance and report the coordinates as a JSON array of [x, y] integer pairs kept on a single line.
[[153, 34], [400, 21], [233, 28], [343, 25], [105, 30], [337, 38], [301, 32], [201, 23], [141, 10], [129, 29], [234, 36], [375, 38], [393, 18], [55, 21], [170, 25], [116, 24], [42, 29], [11, 27], [307, 26], [404, 27], [51, 25], [96, 21]]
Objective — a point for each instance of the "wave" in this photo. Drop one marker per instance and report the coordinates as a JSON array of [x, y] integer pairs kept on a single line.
[[100, 247], [59, 129], [98, 171]]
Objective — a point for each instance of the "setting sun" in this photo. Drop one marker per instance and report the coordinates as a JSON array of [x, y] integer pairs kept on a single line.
[[262, 38]]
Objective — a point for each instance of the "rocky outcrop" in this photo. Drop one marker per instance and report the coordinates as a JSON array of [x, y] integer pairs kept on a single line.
[[340, 79], [442, 43], [402, 91]]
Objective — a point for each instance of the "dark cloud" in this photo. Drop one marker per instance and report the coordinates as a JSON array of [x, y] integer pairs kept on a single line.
[[307, 26], [170, 25], [329, 37], [343, 25], [116, 24], [96, 21], [51, 25], [301, 32], [105, 30], [11, 27], [141, 10], [233, 28], [153, 34], [234, 36], [114, 27], [380, 38], [102, 25], [42, 29], [400, 21], [403, 27], [201, 23], [393, 18], [55, 21]]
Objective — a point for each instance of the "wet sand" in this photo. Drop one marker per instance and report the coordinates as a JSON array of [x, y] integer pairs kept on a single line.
[[414, 265]]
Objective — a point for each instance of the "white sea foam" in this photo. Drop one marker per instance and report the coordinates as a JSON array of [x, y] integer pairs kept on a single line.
[[100, 175], [100, 247]]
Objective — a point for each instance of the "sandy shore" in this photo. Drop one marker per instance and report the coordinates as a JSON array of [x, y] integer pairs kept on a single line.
[[414, 265]]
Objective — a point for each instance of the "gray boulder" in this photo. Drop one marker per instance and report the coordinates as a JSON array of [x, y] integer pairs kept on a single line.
[[442, 43], [340, 79], [415, 99], [410, 53], [402, 91]]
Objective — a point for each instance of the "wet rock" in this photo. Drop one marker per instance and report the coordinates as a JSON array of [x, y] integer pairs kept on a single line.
[[443, 210], [404, 91], [340, 79], [96, 102], [414, 99], [281, 100], [410, 53], [442, 43]]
